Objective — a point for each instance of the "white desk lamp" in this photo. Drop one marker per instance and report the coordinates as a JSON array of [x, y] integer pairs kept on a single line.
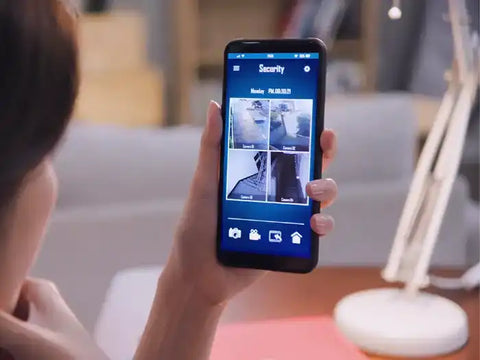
[[409, 322]]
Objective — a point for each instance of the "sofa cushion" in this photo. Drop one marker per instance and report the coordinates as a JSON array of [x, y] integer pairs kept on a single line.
[[111, 165], [376, 137]]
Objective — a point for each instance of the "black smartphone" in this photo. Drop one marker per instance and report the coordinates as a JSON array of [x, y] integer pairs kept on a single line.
[[273, 110]]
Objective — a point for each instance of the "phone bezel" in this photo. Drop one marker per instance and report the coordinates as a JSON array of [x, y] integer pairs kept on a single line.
[[262, 261]]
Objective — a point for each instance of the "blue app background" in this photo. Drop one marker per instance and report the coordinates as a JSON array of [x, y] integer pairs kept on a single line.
[[299, 81]]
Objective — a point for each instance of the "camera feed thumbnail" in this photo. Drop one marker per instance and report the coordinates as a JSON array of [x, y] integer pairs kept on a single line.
[[247, 175], [288, 177], [290, 123], [249, 124]]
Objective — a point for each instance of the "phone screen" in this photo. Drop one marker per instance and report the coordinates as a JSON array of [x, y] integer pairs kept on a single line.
[[270, 109]]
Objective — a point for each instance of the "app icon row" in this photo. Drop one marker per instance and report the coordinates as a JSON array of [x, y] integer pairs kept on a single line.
[[274, 236]]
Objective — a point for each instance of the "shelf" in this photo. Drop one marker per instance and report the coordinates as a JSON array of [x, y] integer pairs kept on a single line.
[[118, 85], [347, 49], [112, 41], [202, 28], [223, 21], [127, 98]]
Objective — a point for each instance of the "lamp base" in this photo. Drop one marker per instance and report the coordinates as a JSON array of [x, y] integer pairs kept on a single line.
[[391, 322]]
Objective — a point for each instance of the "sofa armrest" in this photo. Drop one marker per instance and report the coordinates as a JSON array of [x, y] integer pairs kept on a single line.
[[131, 293], [86, 247], [367, 217]]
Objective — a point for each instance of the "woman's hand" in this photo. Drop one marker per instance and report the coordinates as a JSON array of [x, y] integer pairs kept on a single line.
[[194, 287], [193, 255], [52, 331]]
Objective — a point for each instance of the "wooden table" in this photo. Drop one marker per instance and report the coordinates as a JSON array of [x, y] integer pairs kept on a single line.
[[286, 295]]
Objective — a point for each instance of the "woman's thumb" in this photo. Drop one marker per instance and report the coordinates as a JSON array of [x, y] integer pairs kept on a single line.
[[48, 309], [206, 174]]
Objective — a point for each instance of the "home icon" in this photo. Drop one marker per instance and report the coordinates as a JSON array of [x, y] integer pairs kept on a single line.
[[296, 238]]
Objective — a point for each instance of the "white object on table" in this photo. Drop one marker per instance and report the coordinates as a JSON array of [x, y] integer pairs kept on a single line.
[[418, 329], [125, 311]]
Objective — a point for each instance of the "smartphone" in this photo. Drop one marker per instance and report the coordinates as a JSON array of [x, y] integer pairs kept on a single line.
[[273, 110]]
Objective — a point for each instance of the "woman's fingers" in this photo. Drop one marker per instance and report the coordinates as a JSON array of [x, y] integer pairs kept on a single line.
[[47, 313], [25, 341], [48, 308], [42, 294], [322, 224], [17, 336], [328, 142], [323, 190], [11, 331]]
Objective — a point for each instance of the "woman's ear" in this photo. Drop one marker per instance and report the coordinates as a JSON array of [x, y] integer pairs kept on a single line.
[[25, 226]]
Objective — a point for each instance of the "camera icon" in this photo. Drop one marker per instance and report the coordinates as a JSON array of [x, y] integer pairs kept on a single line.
[[234, 233]]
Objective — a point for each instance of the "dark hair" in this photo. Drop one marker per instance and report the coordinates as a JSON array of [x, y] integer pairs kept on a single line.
[[38, 86]]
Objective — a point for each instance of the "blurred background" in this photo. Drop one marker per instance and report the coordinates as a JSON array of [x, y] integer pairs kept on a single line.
[[183, 41], [149, 68]]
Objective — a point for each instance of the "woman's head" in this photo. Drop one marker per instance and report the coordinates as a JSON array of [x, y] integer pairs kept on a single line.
[[38, 87]]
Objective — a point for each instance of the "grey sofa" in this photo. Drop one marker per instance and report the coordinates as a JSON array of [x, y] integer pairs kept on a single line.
[[122, 192]]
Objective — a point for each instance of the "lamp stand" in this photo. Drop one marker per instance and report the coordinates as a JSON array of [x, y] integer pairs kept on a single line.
[[408, 322]]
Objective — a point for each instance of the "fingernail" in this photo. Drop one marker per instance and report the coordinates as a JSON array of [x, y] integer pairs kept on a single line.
[[316, 188], [210, 109], [319, 187], [213, 105], [324, 224], [210, 114]]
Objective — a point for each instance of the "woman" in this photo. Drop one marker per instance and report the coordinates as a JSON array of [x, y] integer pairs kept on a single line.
[[38, 87]]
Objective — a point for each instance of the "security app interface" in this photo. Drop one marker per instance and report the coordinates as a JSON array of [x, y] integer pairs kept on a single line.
[[270, 126]]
